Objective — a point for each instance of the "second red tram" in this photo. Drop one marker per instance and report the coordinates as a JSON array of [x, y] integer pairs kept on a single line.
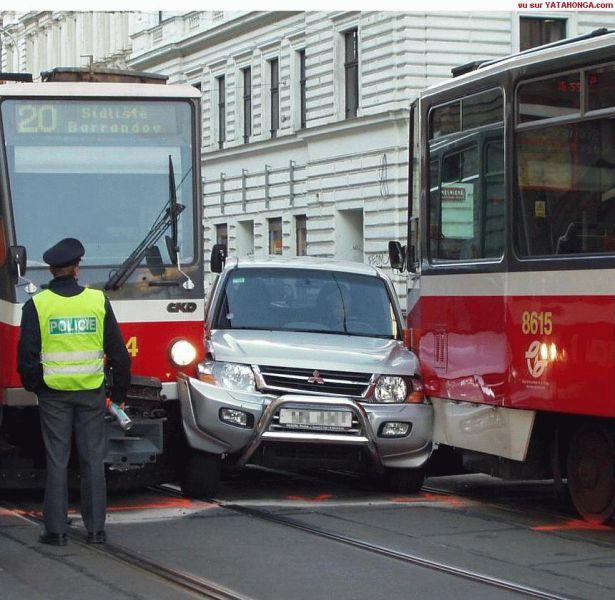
[[511, 296]]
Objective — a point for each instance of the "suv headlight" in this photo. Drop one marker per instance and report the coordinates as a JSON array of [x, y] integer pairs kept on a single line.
[[391, 389], [231, 376]]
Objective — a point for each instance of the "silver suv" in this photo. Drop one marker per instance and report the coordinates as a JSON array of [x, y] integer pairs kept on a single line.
[[306, 367]]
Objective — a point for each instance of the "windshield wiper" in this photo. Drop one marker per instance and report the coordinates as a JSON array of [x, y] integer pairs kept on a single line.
[[333, 332], [168, 217], [339, 289]]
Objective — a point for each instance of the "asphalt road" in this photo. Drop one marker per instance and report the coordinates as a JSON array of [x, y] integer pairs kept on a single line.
[[515, 532]]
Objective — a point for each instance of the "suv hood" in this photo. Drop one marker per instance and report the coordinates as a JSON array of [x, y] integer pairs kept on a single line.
[[322, 351]]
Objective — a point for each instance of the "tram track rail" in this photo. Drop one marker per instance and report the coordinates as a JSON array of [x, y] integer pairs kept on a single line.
[[413, 559], [560, 515], [206, 588], [203, 588]]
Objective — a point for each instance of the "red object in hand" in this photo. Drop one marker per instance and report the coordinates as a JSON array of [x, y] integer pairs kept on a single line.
[[108, 404]]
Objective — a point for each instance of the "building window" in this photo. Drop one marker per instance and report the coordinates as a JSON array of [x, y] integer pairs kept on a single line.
[[221, 233], [244, 238], [247, 104], [302, 88], [301, 234], [351, 72], [534, 31], [221, 111], [275, 236], [274, 65]]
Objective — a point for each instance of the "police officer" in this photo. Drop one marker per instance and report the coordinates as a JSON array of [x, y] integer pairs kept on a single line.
[[67, 334]]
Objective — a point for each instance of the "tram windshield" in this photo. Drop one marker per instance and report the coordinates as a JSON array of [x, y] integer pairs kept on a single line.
[[97, 170]]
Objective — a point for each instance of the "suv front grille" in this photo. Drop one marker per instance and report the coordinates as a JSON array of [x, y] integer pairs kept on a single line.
[[334, 383]]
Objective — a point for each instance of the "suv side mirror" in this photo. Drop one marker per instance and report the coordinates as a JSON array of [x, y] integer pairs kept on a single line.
[[397, 255], [18, 260], [218, 258]]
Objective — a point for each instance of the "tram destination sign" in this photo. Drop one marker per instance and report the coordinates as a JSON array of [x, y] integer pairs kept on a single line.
[[94, 118]]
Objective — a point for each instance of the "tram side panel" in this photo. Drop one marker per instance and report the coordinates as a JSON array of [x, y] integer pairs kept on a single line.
[[463, 345], [148, 341], [9, 316], [563, 348]]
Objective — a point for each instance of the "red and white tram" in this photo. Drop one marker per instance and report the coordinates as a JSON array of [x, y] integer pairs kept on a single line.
[[511, 295], [111, 158]]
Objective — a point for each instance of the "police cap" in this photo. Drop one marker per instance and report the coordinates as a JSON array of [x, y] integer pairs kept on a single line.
[[66, 252]]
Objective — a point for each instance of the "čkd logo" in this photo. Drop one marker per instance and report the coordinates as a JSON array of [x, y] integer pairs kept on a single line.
[[185, 307]]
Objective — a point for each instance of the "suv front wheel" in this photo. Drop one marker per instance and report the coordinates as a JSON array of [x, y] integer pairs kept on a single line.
[[404, 481], [201, 475]]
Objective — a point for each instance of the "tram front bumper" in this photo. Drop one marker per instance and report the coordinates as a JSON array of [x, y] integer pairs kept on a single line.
[[204, 408]]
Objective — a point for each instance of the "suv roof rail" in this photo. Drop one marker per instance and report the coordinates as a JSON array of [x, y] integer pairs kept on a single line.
[[479, 64], [81, 74], [21, 77]]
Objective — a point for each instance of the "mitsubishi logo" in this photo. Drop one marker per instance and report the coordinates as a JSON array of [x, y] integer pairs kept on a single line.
[[316, 378]]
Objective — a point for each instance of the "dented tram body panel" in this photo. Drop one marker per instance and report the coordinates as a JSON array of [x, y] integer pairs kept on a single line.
[[97, 161]]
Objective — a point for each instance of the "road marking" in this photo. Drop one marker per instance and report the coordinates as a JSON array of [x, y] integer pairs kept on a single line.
[[318, 498], [427, 497], [573, 525]]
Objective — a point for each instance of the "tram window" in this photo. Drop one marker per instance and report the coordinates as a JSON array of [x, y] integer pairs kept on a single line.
[[482, 109], [494, 156], [478, 110], [3, 248], [601, 88], [558, 96], [467, 211], [434, 206], [495, 196], [445, 120], [566, 182], [458, 190]]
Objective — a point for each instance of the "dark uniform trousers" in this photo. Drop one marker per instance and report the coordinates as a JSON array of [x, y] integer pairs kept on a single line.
[[83, 411]]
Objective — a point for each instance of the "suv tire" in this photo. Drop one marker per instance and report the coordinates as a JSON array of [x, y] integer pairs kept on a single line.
[[404, 481], [201, 475]]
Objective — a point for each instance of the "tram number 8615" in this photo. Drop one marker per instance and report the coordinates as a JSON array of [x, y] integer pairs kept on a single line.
[[537, 323]]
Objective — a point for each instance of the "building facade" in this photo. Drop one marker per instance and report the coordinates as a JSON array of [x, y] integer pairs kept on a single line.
[[37, 41], [304, 114]]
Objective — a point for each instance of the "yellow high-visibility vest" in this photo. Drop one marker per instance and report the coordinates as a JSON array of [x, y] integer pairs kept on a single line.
[[72, 349]]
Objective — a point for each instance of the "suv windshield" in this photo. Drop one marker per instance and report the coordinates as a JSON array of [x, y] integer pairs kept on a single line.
[[307, 300], [97, 170]]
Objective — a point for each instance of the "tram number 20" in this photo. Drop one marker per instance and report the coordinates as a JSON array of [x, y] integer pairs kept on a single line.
[[37, 119], [537, 322]]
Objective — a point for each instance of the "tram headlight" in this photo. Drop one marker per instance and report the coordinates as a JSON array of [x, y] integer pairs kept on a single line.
[[390, 389], [231, 376], [182, 353]]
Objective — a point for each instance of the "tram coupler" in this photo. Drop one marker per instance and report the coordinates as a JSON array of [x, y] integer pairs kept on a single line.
[[143, 442]]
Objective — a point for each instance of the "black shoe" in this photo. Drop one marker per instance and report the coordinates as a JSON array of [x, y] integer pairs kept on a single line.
[[53, 539], [96, 537]]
